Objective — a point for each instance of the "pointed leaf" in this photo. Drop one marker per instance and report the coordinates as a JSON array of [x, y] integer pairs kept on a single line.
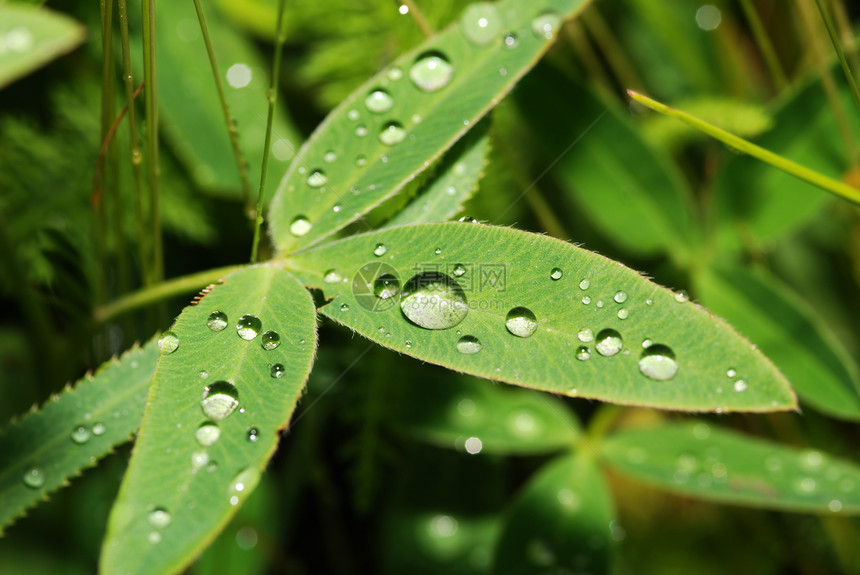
[[51, 445], [788, 331], [185, 481], [441, 273], [560, 521], [420, 106], [704, 461]]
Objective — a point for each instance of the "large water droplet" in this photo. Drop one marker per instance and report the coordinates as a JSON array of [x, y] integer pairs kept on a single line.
[[217, 320], [658, 362], [380, 250], [608, 342], [392, 133], [386, 286], [556, 274], [168, 342], [80, 435], [277, 371], [521, 322], [248, 326], [584, 284], [159, 518], [219, 400], [469, 345], [433, 300], [300, 226], [317, 179], [242, 485], [332, 277], [207, 434], [481, 23], [34, 478], [379, 101], [431, 72], [546, 25], [270, 340]]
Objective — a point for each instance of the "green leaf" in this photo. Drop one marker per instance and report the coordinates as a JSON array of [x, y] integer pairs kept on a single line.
[[457, 180], [560, 521], [423, 103], [498, 270], [478, 418], [789, 332], [49, 446], [626, 187], [179, 491], [31, 36], [707, 462], [191, 111]]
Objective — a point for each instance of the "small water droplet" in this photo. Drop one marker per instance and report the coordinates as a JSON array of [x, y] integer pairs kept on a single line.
[[584, 284], [511, 40], [330, 157], [270, 340], [682, 297], [344, 307], [608, 343], [546, 25], [352, 115], [394, 74], [585, 335], [658, 362], [556, 274], [740, 385], [379, 101], [481, 23], [332, 277], [277, 371], [34, 478], [649, 301], [731, 372], [168, 342], [253, 434], [219, 400], [623, 314], [337, 208], [583, 353], [242, 485], [199, 459], [154, 537], [361, 130], [392, 133], [468, 220], [521, 322], [99, 429], [386, 286], [408, 344], [300, 226], [380, 250], [203, 374], [620, 297], [433, 300], [80, 435], [217, 320], [599, 303], [317, 179], [360, 160], [586, 299], [159, 518], [431, 72], [469, 345], [451, 190], [248, 326], [459, 270], [207, 434]]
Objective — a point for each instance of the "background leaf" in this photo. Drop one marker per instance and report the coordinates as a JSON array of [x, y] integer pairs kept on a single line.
[[191, 467], [499, 270]]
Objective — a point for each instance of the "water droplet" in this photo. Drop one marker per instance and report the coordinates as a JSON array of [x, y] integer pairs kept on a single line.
[[511, 40], [217, 320], [620, 297], [451, 190], [740, 385], [243, 484], [168, 342], [336, 208], [431, 72], [459, 270], [623, 314], [521, 322], [80, 435], [584, 284], [380, 250], [344, 307], [330, 157], [481, 23], [556, 274], [608, 342], [682, 297], [469, 345], [658, 362], [583, 353], [199, 459], [649, 301], [300, 226], [159, 518], [253, 434], [585, 335], [352, 115], [433, 300], [731, 372], [219, 400], [586, 299], [394, 74], [207, 434], [248, 326], [599, 303], [277, 371], [392, 133], [332, 277], [361, 130], [379, 101], [203, 374], [438, 251], [386, 286], [317, 179], [34, 478], [408, 344], [546, 25], [468, 220], [154, 537], [270, 340], [99, 429]]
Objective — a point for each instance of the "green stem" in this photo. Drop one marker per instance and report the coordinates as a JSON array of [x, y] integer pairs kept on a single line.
[[840, 53], [231, 124], [151, 112], [576, 33], [160, 292], [419, 18], [604, 37], [272, 96], [815, 178], [106, 121], [844, 25], [765, 46]]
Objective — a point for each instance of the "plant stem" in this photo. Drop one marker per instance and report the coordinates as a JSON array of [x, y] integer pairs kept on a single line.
[[840, 53], [231, 123], [105, 128], [765, 46], [603, 36], [815, 178], [151, 112], [844, 25], [160, 292], [419, 18], [272, 96]]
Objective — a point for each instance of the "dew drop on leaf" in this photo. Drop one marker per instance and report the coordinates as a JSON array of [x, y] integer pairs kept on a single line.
[[332, 277], [481, 23], [207, 434], [253, 434], [556, 274], [586, 300], [168, 342], [608, 342], [585, 335], [379, 101], [317, 179], [300, 226], [154, 537], [731, 372], [198, 460], [99, 429], [330, 157], [34, 478], [583, 353], [380, 250], [270, 340], [620, 297], [521, 322], [344, 307], [431, 72], [277, 371], [740, 385], [546, 25], [80, 435], [658, 362], [511, 40], [469, 345], [217, 321], [433, 300], [360, 160], [394, 74], [459, 270], [386, 286], [361, 130], [623, 314], [248, 326], [219, 400], [584, 284], [159, 518], [392, 133]]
